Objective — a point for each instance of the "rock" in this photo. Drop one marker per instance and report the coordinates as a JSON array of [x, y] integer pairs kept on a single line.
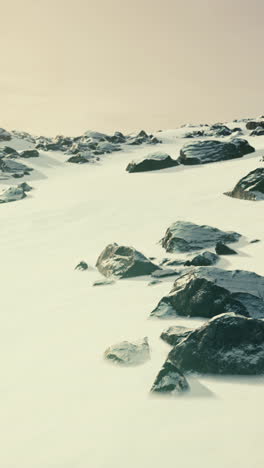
[[222, 249], [254, 241], [106, 147], [124, 262], [194, 134], [228, 344], [173, 335], [129, 353], [4, 135], [154, 282], [14, 167], [204, 259], [170, 380], [82, 266], [25, 187], [103, 282], [8, 151], [12, 194], [142, 137], [219, 130], [250, 187], [30, 153], [152, 162], [184, 236], [209, 291], [81, 159], [252, 125], [202, 152], [163, 273], [259, 131]]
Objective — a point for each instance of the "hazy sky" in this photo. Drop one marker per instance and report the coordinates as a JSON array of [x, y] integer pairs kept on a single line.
[[72, 65]]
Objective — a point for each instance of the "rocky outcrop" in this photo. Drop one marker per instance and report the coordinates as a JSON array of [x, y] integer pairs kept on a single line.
[[250, 187], [228, 344], [204, 259], [208, 151], [124, 262], [30, 153], [152, 162], [170, 380], [184, 236], [14, 168], [129, 353], [209, 291]]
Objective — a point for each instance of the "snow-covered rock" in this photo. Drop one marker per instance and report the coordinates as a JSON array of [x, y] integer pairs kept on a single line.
[[204, 259], [4, 135], [250, 187], [208, 151], [29, 153], [129, 353], [124, 262], [152, 162], [184, 236], [173, 335], [170, 380], [227, 344], [12, 194]]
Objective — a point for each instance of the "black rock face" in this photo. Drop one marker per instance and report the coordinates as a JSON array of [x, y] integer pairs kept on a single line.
[[209, 291], [124, 262], [184, 236], [152, 162], [227, 344], [202, 152], [222, 249], [250, 187], [31, 153], [252, 125]]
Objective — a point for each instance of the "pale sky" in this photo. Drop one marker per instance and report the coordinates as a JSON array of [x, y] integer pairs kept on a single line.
[[72, 65]]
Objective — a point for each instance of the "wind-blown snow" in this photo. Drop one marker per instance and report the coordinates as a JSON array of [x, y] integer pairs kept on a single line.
[[62, 405]]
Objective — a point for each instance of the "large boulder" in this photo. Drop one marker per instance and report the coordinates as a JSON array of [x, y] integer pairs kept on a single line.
[[5, 135], [184, 236], [209, 291], [253, 124], [250, 187], [124, 262], [202, 152], [170, 380], [12, 194], [129, 353], [152, 162], [227, 344]]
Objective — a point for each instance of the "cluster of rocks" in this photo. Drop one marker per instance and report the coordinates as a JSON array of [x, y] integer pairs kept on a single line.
[[15, 193], [216, 130], [250, 187], [88, 147]]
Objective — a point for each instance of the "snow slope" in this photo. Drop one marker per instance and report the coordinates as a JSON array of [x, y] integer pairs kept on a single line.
[[62, 405]]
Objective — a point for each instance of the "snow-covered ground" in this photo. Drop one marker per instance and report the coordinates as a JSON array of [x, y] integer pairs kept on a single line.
[[62, 405]]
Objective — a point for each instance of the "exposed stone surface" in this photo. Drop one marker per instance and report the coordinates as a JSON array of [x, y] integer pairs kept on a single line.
[[152, 162], [184, 236], [170, 380], [250, 187], [209, 291], [202, 152], [5, 135], [227, 344], [173, 335], [204, 259], [253, 124], [12, 194], [222, 249], [124, 262], [129, 353], [82, 266], [30, 153]]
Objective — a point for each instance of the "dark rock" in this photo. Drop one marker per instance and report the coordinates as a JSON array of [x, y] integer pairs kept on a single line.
[[154, 282], [129, 354], [82, 266], [227, 344], [254, 241], [106, 147], [194, 134], [252, 125], [4, 135], [173, 335], [8, 151], [80, 159], [184, 236], [250, 187], [103, 282], [124, 262], [25, 187], [202, 152], [170, 380], [218, 130], [14, 167], [209, 291], [204, 259], [222, 249], [30, 153], [164, 273], [259, 131], [152, 162]]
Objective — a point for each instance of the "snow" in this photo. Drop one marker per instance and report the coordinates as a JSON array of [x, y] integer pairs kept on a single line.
[[62, 405]]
